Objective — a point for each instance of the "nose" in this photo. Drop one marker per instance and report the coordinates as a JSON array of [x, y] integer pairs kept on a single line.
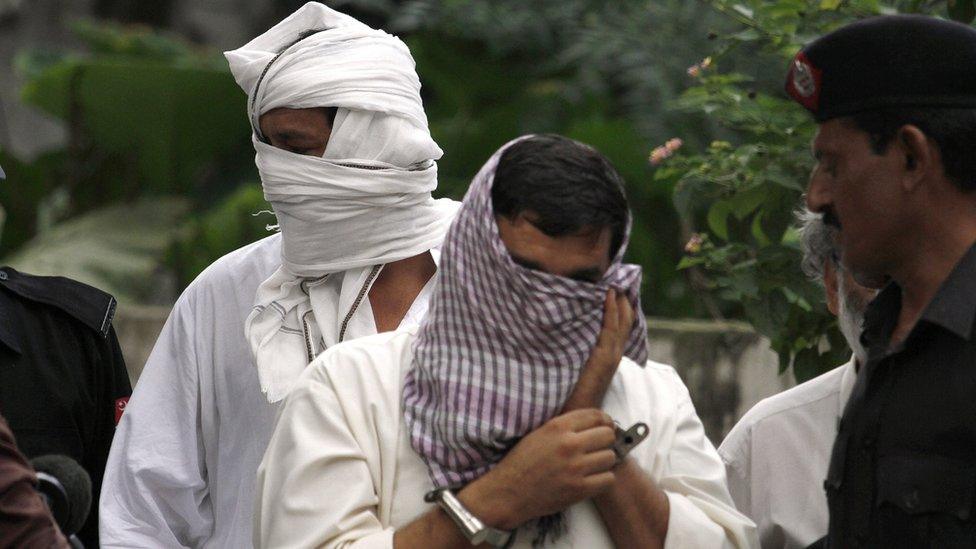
[[818, 194]]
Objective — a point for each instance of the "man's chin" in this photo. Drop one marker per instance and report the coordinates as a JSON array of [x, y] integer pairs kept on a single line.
[[865, 275]]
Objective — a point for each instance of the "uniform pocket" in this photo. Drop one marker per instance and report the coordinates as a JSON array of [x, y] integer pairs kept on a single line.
[[919, 484]]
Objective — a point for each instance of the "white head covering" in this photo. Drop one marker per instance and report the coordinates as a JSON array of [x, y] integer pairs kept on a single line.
[[365, 203]]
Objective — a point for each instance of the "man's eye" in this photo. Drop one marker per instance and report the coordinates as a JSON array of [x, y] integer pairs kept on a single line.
[[829, 168]]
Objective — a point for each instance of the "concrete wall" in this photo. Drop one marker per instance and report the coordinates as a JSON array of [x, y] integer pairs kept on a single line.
[[726, 365]]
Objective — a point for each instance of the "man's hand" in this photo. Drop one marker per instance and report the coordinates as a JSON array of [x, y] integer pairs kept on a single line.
[[618, 320], [566, 460]]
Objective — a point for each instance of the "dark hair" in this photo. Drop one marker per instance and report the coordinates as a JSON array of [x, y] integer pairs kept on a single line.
[[569, 187], [953, 130]]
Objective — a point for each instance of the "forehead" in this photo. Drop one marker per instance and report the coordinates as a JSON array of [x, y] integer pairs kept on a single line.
[[837, 134], [557, 253], [312, 120]]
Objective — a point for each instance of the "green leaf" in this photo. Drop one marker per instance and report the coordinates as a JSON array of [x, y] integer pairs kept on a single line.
[[746, 202], [757, 231], [744, 10], [747, 35], [690, 261], [718, 218], [806, 365], [830, 4], [32, 63]]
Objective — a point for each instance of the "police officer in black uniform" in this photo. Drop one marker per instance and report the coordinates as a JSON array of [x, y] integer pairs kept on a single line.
[[895, 102], [63, 382]]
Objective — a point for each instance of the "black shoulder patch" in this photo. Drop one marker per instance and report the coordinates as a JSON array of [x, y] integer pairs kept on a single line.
[[90, 306]]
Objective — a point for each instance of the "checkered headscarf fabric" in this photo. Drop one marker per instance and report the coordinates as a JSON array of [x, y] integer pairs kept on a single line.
[[502, 345]]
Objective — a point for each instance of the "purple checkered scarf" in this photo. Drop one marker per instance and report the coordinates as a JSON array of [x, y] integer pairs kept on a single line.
[[502, 345]]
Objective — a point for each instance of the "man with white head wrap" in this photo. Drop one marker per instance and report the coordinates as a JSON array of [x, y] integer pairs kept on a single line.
[[776, 456], [347, 162], [469, 410]]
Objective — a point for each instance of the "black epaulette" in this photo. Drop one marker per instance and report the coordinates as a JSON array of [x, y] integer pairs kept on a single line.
[[90, 306]]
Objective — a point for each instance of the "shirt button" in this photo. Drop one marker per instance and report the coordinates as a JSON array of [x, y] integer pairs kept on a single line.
[[911, 500]]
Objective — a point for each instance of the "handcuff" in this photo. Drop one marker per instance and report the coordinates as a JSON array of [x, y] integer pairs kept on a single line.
[[474, 530], [627, 439]]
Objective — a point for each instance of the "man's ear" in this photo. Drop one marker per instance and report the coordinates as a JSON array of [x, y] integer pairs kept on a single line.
[[918, 154], [830, 285]]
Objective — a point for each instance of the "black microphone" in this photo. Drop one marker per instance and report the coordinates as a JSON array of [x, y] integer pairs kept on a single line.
[[67, 490]]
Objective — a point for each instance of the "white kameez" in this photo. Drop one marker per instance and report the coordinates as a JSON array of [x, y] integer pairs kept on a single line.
[[340, 471], [181, 471], [777, 455]]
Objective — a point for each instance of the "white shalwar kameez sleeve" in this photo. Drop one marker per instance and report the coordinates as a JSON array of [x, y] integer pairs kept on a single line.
[[340, 471], [196, 426]]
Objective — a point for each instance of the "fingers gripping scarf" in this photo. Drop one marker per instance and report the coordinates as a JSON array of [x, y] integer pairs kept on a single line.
[[502, 346], [365, 203]]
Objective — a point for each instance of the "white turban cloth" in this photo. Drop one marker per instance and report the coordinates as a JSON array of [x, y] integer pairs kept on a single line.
[[365, 203]]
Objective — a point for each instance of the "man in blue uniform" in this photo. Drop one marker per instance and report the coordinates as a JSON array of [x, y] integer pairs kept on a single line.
[[895, 100]]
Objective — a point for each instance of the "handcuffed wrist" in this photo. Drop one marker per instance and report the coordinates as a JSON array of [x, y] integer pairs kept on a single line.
[[491, 504]]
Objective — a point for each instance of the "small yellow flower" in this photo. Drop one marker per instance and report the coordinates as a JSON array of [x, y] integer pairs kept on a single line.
[[694, 244], [706, 62]]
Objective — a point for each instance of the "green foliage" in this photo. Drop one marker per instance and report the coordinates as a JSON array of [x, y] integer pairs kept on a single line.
[[143, 110], [147, 116], [238, 220], [115, 248], [26, 196], [742, 192], [596, 71]]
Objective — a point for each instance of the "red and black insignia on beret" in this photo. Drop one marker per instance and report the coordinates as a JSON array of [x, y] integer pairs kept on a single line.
[[803, 82]]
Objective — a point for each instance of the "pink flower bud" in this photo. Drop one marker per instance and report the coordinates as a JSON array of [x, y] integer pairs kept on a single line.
[[674, 144], [658, 155]]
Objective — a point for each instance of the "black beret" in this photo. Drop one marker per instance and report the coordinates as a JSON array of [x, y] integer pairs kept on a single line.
[[887, 61]]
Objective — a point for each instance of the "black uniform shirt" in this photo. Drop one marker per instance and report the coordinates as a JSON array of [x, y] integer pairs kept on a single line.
[[63, 381], [903, 468]]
